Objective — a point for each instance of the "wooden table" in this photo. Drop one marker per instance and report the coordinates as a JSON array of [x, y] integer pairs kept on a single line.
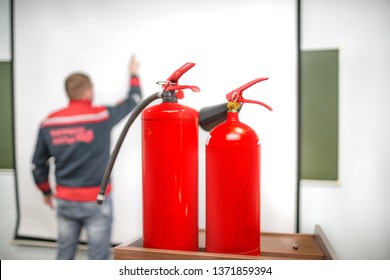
[[273, 246]]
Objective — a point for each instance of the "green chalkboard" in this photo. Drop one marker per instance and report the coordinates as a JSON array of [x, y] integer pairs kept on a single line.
[[6, 134], [319, 115]]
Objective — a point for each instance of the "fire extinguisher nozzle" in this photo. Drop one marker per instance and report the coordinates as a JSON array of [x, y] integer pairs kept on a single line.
[[100, 199], [210, 117]]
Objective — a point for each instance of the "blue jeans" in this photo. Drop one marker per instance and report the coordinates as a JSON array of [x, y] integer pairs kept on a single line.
[[97, 220]]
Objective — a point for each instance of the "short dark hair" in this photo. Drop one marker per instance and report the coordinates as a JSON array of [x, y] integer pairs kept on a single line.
[[76, 84]]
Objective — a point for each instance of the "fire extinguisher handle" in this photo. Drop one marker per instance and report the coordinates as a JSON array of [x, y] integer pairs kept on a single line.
[[174, 78], [181, 87], [236, 95], [172, 83]]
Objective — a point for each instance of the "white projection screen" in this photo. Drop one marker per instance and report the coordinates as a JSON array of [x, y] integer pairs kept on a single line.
[[232, 42]]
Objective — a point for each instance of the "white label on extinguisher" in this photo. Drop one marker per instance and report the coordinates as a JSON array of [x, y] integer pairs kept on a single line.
[[208, 139]]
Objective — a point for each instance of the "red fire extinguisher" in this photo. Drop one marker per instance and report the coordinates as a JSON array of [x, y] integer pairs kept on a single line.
[[233, 182], [170, 169]]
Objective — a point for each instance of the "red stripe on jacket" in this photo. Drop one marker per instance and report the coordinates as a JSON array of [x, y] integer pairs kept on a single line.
[[64, 117], [80, 194]]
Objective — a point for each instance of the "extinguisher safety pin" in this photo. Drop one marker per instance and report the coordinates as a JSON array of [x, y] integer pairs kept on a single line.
[[235, 96], [162, 82]]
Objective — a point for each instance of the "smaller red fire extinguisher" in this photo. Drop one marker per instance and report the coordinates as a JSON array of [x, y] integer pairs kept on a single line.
[[233, 182]]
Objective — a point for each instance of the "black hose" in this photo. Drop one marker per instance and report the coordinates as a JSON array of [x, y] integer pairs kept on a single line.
[[137, 110]]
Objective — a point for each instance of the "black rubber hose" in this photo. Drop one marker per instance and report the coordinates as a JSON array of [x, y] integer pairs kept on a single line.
[[136, 111]]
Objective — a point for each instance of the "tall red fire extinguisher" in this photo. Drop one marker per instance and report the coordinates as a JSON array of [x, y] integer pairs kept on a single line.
[[170, 169], [233, 182]]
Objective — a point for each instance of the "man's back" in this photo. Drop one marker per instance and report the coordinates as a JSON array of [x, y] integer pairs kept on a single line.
[[78, 138]]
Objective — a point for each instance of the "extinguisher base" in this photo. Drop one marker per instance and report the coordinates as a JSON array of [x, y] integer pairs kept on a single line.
[[255, 252]]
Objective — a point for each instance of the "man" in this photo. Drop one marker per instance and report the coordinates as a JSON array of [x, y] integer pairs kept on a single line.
[[78, 138]]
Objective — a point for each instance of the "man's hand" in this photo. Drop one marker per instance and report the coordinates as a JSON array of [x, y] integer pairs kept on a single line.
[[48, 200], [134, 65]]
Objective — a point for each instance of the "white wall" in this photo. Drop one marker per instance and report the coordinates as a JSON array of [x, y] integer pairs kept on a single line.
[[354, 215], [282, 220], [231, 42]]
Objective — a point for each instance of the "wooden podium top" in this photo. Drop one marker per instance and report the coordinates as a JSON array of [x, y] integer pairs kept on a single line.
[[273, 246]]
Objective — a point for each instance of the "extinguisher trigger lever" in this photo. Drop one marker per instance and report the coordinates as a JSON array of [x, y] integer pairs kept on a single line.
[[171, 84], [174, 78], [236, 95]]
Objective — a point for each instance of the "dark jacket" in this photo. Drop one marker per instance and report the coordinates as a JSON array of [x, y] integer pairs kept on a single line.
[[78, 139]]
